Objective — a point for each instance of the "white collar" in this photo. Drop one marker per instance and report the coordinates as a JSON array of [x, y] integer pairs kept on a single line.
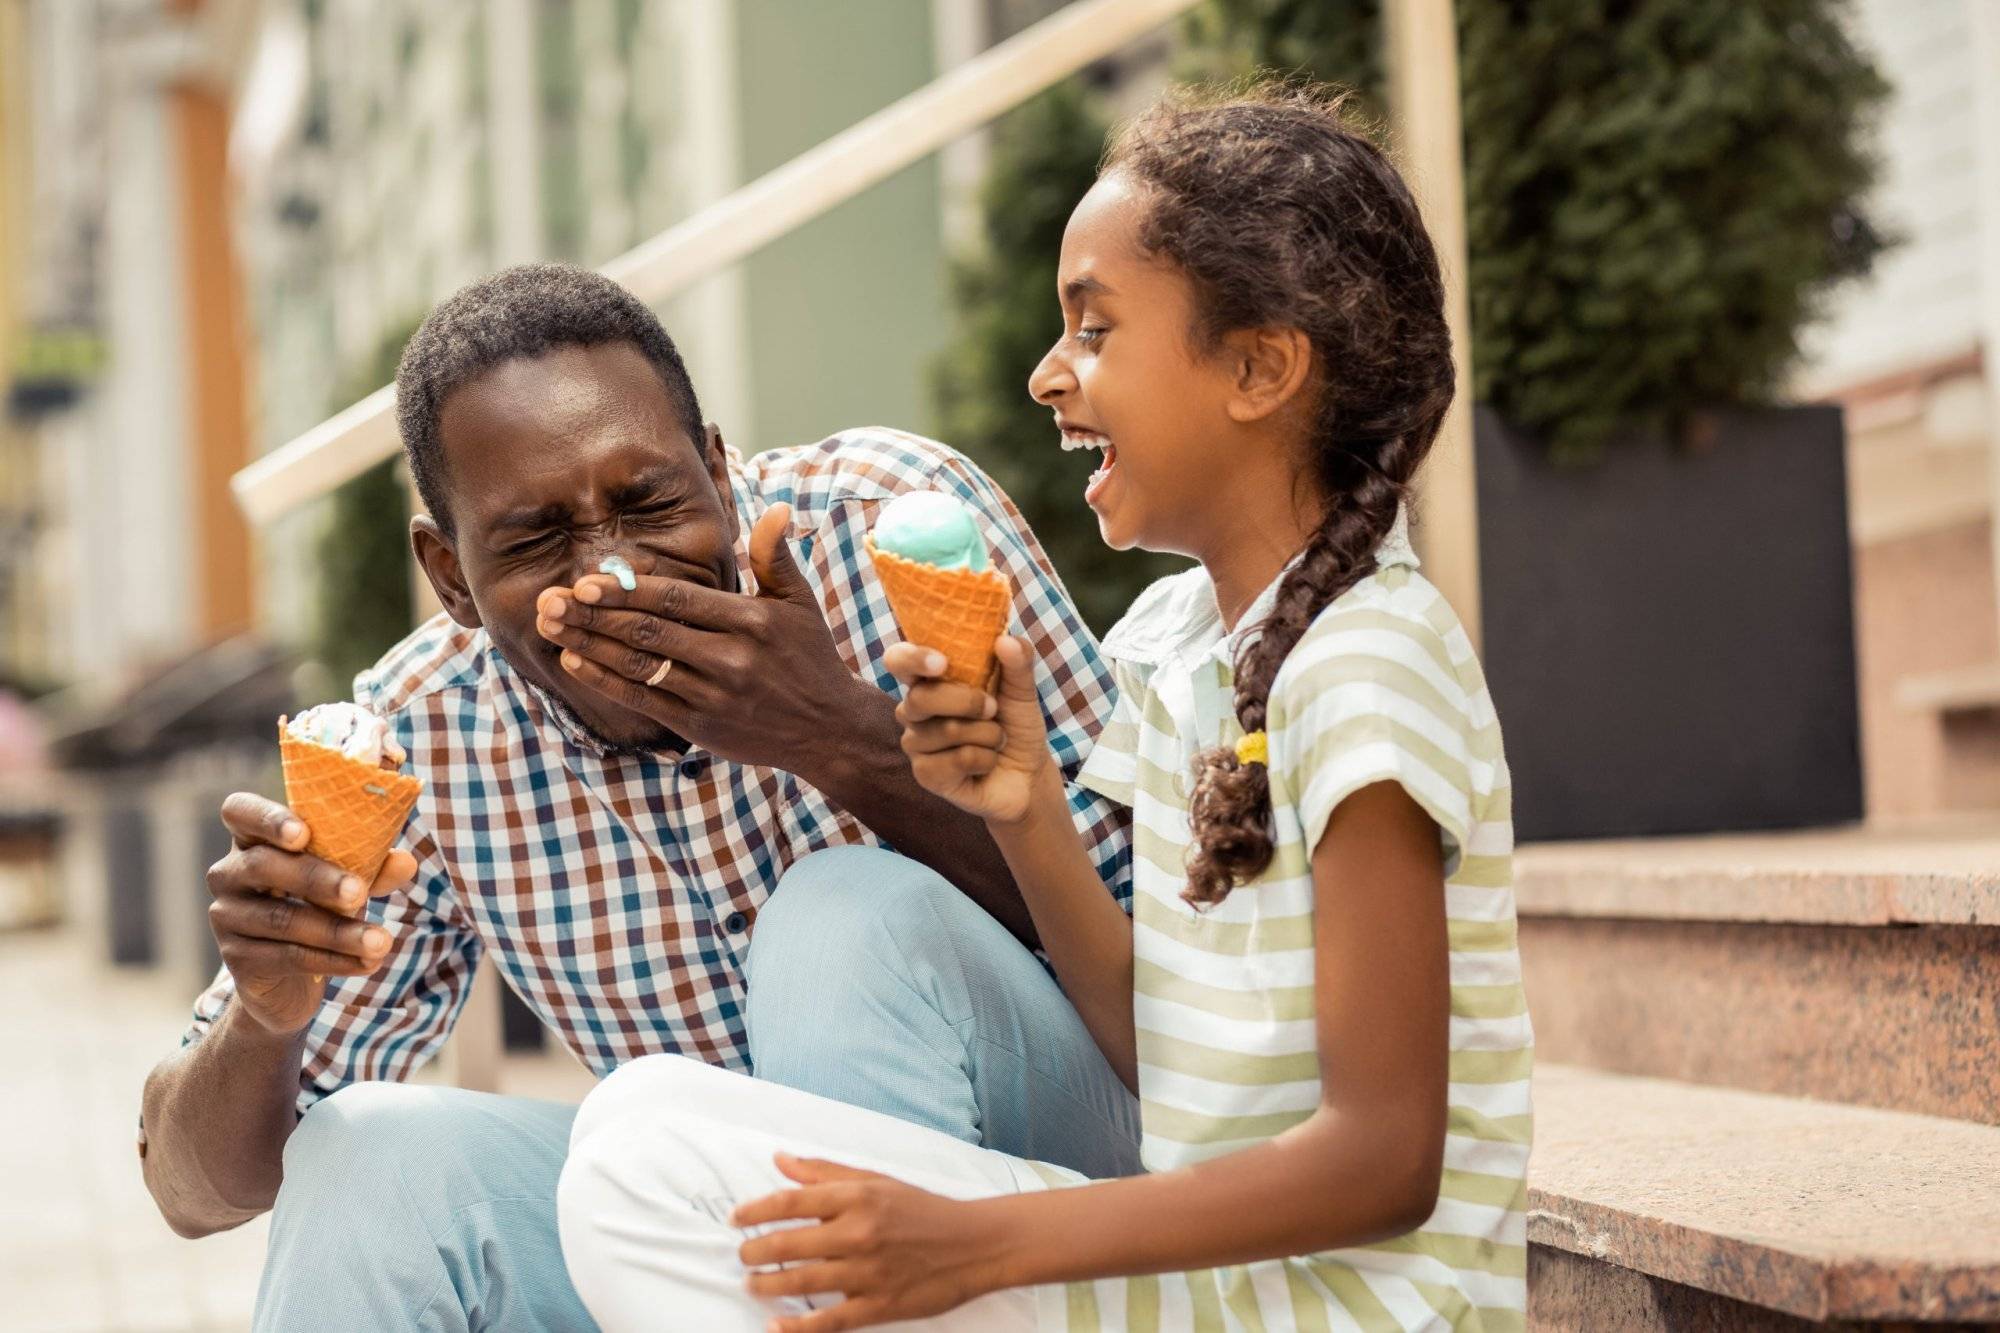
[[1180, 617]]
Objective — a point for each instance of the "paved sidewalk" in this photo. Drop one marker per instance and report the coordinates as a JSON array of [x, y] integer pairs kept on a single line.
[[81, 1246]]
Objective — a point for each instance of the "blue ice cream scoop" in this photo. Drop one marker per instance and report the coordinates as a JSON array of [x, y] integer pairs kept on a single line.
[[932, 528]]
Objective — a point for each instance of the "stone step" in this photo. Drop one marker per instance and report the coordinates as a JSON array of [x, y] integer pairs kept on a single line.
[[1658, 1205], [1854, 965]]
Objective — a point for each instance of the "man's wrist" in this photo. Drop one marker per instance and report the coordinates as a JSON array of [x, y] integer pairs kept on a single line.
[[250, 1033], [859, 740]]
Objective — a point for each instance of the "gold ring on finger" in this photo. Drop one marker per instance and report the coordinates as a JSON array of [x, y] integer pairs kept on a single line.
[[666, 665]]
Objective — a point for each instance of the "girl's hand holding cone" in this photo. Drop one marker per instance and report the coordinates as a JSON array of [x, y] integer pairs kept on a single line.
[[982, 752]]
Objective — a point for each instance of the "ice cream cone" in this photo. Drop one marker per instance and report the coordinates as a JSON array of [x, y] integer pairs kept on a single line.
[[355, 810], [955, 611]]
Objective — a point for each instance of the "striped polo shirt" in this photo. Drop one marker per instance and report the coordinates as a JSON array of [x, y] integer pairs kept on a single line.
[[1383, 687]]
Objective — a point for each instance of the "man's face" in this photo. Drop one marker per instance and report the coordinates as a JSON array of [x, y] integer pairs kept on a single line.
[[554, 463]]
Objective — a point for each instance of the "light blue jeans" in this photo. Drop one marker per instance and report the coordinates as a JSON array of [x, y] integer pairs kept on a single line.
[[871, 980]]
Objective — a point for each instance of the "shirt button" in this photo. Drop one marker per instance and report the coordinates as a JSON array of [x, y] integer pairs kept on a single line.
[[693, 766], [735, 922]]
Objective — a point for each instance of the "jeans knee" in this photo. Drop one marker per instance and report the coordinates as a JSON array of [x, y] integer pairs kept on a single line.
[[355, 1133], [370, 1144], [831, 907]]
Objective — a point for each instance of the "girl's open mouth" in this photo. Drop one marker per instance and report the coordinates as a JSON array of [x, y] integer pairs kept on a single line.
[[1089, 439], [1095, 487]]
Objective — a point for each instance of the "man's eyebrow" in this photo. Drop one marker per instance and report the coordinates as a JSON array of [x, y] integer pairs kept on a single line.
[[1078, 288], [645, 484], [542, 516]]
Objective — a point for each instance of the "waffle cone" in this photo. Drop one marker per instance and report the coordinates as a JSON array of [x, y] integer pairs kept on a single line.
[[354, 810], [955, 611]]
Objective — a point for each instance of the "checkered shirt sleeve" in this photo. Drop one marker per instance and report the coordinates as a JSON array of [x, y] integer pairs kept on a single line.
[[839, 506]]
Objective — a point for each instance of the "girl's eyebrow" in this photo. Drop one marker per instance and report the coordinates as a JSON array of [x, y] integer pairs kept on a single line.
[[1078, 288]]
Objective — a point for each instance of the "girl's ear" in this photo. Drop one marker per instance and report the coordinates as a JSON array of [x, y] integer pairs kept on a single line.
[[1267, 370]]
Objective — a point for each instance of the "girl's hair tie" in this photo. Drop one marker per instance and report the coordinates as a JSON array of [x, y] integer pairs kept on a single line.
[[1254, 748]]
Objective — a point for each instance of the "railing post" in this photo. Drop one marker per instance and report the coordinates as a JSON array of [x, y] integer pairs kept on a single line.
[[1422, 40]]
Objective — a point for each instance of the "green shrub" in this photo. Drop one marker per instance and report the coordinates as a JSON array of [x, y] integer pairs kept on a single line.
[[1659, 196]]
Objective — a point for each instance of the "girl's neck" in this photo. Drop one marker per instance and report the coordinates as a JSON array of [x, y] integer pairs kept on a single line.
[[1252, 551]]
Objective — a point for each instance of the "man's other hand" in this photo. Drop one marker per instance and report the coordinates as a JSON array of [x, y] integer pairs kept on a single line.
[[284, 920]]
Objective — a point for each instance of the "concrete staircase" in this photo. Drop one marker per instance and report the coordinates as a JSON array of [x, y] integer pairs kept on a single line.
[[1768, 1094]]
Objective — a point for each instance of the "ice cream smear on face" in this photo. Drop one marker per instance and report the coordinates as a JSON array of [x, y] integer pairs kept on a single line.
[[931, 528], [350, 729], [621, 569]]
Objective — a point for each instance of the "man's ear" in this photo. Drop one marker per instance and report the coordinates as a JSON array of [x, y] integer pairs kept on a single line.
[[1267, 369], [439, 559], [716, 454]]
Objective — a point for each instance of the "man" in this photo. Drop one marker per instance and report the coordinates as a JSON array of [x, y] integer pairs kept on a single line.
[[615, 784]]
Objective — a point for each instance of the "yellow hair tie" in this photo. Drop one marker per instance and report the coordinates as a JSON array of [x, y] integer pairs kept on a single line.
[[1254, 748]]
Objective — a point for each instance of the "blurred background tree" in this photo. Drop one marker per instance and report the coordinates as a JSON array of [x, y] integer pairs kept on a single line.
[[362, 559]]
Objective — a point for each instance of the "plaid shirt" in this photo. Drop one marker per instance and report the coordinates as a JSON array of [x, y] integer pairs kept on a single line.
[[615, 892]]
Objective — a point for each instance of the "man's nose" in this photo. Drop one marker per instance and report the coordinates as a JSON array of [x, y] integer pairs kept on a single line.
[[591, 555], [1051, 379]]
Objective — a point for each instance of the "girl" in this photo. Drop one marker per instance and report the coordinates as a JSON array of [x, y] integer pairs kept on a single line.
[[1317, 996]]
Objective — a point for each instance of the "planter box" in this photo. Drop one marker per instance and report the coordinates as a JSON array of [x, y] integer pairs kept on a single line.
[[1669, 634]]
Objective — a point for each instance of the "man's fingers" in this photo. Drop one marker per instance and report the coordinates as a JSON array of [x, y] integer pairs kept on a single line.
[[248, 916], [944, 698], [564, 620], [268, 870], [949, 734], [251, 957], [252, 819], [676, 599], [771, 559]]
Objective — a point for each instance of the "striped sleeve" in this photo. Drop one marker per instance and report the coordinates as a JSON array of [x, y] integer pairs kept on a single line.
[[1112, 770], [1367, 696]]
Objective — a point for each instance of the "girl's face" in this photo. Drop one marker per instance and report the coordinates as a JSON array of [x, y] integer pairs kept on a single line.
[[1127, 380]]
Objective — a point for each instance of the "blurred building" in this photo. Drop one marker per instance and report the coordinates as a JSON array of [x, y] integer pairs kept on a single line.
[[429, 144], [125, 355], [1914, 355]]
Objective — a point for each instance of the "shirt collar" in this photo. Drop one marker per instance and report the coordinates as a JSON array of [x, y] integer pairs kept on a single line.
[[1193, 621]]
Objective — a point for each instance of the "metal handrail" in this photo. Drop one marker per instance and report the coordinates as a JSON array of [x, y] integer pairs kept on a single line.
[[773, 205]]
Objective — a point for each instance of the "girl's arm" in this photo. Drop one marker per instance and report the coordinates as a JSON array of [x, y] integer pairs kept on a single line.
[[990, 755], [1367, 1164], [1364, 1167]]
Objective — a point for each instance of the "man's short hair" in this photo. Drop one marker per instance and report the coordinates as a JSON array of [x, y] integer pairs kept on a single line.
[[521, 311]]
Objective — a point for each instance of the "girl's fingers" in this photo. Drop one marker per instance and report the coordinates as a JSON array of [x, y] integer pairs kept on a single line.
[[864, 1313], [950, 734], [790, 1245], [817, 1202], [911, 662], [811, 1279], [397, 870], [945, 698]]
